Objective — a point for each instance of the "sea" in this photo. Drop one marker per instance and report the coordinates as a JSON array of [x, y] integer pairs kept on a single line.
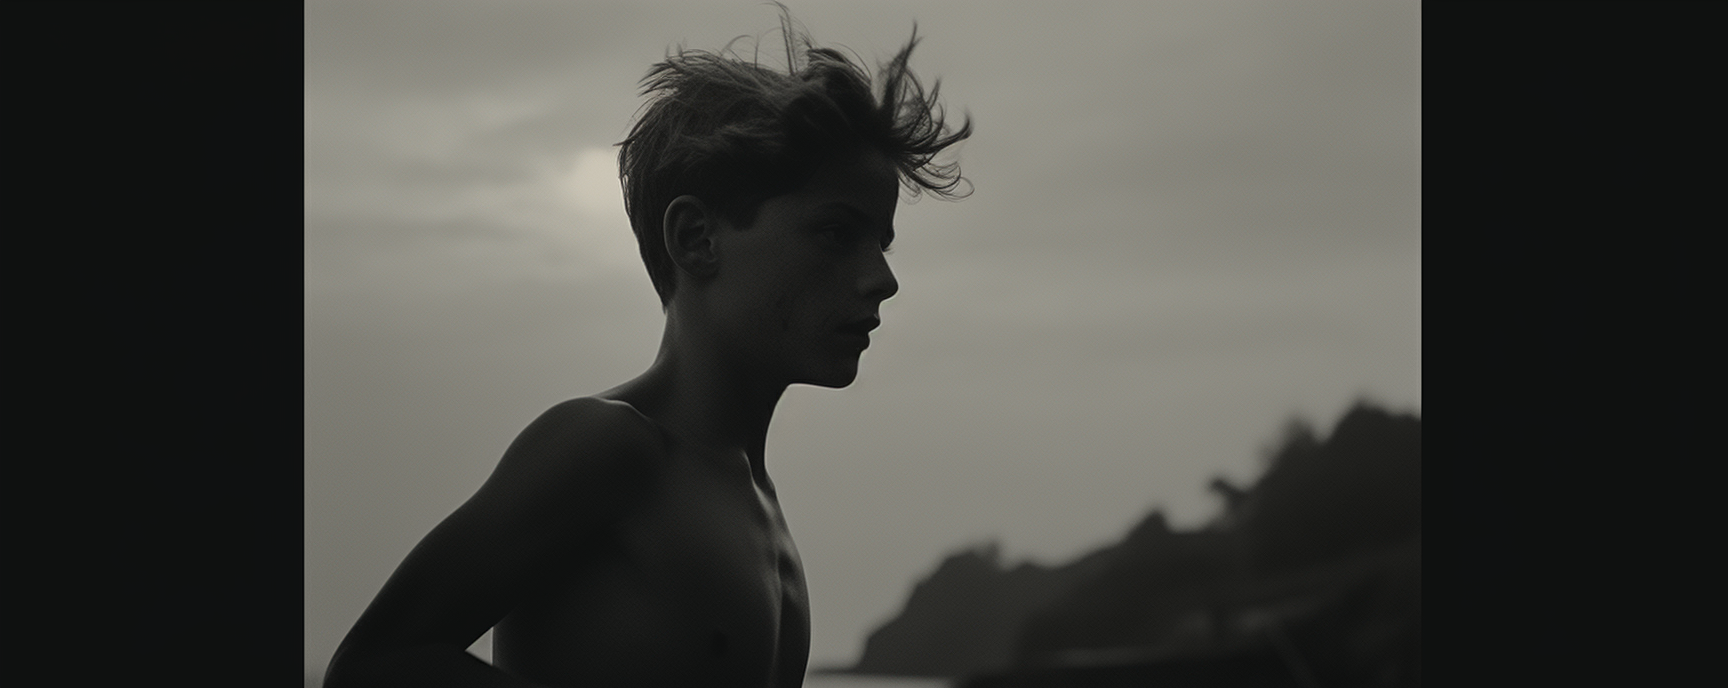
[[810, 681], [855, 681]]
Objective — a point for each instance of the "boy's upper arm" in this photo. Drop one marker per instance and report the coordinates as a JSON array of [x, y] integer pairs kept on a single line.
[[571, 472]]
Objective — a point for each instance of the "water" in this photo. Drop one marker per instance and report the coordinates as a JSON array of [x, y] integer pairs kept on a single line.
[[851, 681], [482, 648], [810, 681]]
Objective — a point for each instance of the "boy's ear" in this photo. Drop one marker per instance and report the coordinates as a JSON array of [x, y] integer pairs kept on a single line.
[[688, 229]]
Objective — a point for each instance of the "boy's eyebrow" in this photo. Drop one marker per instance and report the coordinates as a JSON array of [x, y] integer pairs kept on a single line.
[[848, 208]]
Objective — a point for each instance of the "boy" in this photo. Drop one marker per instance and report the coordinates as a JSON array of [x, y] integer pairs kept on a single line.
[[633, 537]]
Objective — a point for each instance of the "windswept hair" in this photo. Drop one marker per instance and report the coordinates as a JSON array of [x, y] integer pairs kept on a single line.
[[735, 133]]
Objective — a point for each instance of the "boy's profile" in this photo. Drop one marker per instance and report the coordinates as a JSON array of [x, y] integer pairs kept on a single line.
[[633, 537]]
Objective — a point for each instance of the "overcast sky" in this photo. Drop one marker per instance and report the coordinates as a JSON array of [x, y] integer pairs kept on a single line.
[[1192, 221]]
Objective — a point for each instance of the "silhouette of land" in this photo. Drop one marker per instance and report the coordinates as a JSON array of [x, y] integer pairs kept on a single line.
[[1310, 577]]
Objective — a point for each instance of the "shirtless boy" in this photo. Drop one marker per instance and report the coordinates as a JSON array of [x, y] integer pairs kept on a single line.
[[633, 537]]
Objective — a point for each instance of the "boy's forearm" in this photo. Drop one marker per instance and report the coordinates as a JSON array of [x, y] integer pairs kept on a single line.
[[420, 667]]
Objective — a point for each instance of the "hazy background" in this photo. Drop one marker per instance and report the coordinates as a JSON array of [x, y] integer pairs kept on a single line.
[[1192, 220]]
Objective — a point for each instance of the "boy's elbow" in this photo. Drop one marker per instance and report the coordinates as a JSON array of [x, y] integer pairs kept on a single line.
[[351, 671], [340, 672], [425, 666], [352, 667], [335, 676]]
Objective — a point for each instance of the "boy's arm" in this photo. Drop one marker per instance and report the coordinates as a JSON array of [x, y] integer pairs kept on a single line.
[[571, 472]]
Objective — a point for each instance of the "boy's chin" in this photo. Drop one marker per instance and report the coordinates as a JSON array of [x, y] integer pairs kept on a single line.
[[833, 379], [833, 383]]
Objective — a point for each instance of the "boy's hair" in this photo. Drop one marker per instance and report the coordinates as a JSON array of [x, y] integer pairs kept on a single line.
[[735, 133]]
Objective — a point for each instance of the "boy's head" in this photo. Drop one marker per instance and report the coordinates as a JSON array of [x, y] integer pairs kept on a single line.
[[734, 133]]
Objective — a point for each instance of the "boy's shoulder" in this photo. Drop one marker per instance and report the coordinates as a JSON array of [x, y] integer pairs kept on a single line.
[[598, 420], [586, 441]]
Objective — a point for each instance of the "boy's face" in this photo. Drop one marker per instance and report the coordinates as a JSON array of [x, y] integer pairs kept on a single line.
[[799, 286]]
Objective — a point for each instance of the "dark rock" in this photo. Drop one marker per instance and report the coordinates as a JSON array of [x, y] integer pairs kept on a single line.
[[1311, 576]]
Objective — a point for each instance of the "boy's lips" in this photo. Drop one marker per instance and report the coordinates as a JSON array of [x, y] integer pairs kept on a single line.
[[858, 331], [862, 325]]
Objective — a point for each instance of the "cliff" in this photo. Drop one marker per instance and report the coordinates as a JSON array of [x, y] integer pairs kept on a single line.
[[1314, 571], [965, 617]]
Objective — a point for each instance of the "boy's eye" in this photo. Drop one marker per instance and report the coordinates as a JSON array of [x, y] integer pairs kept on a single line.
[[844, 236], [837, 234]]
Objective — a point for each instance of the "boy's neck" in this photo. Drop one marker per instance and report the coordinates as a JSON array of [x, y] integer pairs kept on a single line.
[[691, 391]]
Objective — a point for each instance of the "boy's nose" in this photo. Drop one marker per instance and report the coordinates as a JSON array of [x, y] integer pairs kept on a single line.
[[878, 281]]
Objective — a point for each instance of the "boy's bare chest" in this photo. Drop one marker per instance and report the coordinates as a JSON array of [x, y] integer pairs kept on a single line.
[[700, 582], [716, 537]]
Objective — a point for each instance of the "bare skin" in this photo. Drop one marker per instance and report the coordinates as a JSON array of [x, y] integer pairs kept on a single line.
[[634, 537]]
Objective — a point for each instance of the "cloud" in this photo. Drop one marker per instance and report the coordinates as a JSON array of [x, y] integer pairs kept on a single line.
[[409, 186], [590, 184]]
